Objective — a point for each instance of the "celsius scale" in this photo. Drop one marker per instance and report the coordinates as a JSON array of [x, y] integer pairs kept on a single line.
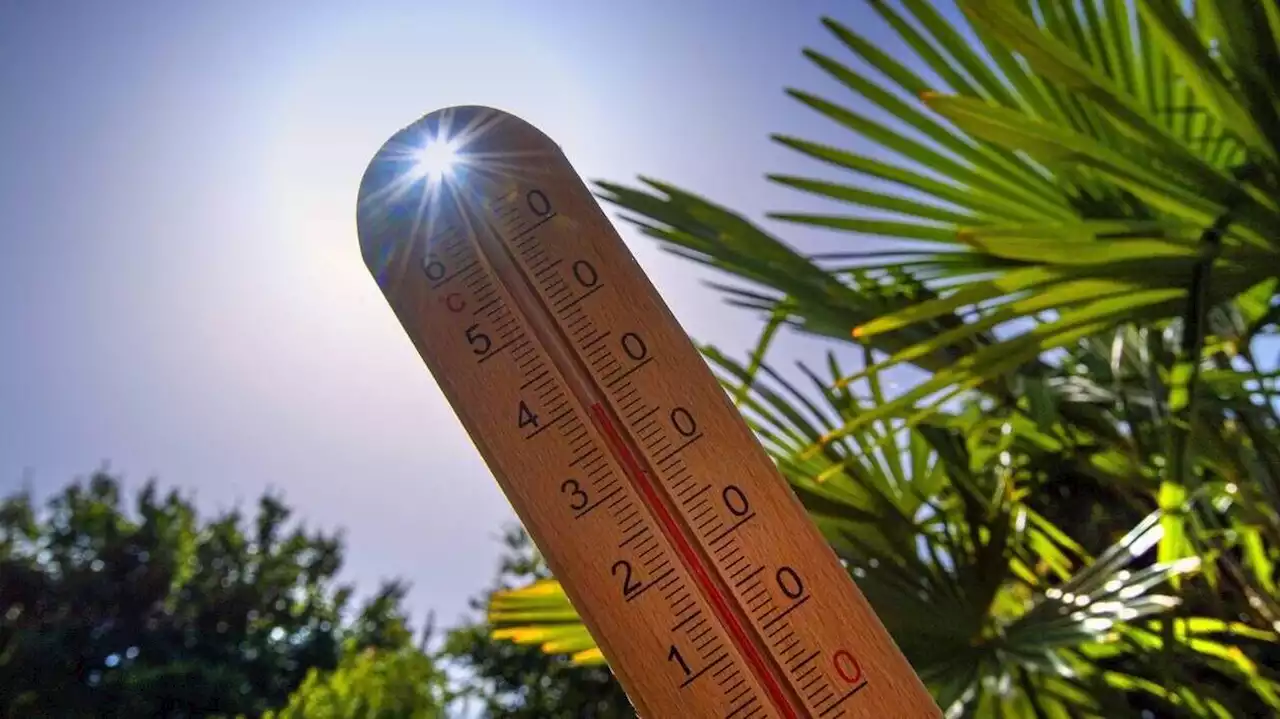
[[707, 588]]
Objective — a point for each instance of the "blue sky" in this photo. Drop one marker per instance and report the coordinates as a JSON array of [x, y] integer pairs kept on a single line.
[[181, 293]]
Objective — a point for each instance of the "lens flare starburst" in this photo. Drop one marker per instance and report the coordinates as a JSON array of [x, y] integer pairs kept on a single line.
[[436, 159], [442, 170]]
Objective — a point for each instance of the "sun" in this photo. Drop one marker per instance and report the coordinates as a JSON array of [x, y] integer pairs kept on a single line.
[[435, 159]]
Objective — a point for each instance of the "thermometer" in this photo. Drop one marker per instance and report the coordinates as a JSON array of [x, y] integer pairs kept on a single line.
[[707, 588]]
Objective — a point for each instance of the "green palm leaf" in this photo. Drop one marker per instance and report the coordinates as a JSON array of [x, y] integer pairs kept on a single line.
[[978, 609], [1087, 216], [1087, 151]]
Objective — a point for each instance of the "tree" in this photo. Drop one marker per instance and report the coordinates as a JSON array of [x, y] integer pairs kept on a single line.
[[506, 679], [151, 611], [1084, 200], [370, 683]]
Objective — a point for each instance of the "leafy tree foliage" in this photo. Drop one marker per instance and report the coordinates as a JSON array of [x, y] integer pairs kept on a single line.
[[145, 609], [370, 683], [518, 681]]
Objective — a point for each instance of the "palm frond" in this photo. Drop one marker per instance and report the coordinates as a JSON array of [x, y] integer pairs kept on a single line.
[[1084, 201], [992, 604]]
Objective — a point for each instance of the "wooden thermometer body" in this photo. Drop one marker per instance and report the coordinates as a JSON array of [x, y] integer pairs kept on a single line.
[[708, 589]]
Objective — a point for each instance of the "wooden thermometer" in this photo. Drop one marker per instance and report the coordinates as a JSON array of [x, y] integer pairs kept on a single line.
[[708, 589]]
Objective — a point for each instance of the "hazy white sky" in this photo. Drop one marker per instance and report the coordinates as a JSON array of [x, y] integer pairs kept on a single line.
[[181, 293]]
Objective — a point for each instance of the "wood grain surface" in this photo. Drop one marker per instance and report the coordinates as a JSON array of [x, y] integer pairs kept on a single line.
[[693, 565]]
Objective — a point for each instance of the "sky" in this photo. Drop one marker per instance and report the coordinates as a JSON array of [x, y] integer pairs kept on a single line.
[[181, 292]]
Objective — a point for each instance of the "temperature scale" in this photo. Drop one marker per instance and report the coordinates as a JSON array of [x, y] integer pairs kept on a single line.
[[692, 564]]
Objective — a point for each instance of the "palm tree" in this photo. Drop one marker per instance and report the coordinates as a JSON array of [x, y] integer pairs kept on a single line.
[[1087, 222]]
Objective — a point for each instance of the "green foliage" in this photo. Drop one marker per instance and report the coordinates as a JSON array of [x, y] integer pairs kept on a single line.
[[398, 683], [1001, 608], [511, 680], [149, 609], [1077, 511]]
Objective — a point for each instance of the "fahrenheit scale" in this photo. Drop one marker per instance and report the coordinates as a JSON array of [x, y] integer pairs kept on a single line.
[[708, 589]]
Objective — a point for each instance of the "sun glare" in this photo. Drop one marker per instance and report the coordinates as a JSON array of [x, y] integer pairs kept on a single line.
[[435, 159]]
